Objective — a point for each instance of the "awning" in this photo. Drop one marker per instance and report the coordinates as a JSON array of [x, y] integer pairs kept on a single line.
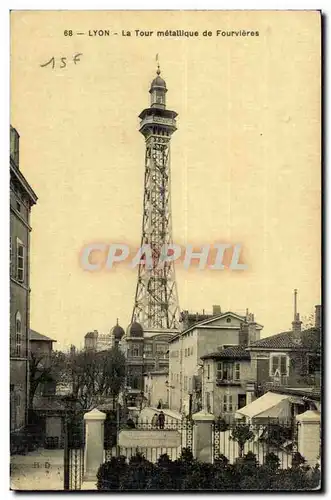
[[270, 405]]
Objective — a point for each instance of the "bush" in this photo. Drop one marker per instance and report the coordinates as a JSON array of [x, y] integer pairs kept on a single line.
[[23, 441], [188, 474]]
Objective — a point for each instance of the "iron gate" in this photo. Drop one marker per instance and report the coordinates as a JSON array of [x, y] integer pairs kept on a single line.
[[151, 453], [74, 443]]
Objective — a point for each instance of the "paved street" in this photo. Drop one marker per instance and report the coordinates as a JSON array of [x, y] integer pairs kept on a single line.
[[39, 470]]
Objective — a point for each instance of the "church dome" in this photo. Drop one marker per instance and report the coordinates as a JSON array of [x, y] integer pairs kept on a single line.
[[135, 330], [117, 331]]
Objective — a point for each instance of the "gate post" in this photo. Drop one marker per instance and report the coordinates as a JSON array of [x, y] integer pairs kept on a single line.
[[94, 443], [203, 436], [309, 438]]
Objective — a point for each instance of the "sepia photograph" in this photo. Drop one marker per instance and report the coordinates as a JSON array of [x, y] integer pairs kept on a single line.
[[165, 250]]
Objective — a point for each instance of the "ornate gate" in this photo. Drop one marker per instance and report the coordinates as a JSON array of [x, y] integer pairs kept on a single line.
[[74, 440]]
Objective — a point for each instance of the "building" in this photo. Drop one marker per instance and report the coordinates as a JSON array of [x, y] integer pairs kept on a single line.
[[226, 375], [102, 341], [156, 389], [40, 359], [188, 347], [22, 198], [290, 358], [146, 351]]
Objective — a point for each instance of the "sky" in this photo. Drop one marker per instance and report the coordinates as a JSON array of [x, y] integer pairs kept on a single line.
[[245, 160]]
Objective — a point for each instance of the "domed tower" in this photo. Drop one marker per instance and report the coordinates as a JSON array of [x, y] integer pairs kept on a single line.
[[156, 301], [135, 330], [117, 332]]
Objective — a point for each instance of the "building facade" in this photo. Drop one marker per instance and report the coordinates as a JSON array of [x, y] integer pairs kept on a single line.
[[22, 198], [146, 351], [186, 350], [156, 389]]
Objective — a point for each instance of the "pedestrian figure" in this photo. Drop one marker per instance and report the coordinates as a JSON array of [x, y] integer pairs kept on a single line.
[[161, 420], [155, 421]]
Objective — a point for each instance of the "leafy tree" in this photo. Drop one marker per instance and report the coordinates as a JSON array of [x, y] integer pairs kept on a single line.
[[44, 369], [96, 376], [241, 433]]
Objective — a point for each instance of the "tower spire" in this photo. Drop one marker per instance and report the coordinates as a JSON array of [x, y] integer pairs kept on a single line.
[[156, 300], [158, 70]]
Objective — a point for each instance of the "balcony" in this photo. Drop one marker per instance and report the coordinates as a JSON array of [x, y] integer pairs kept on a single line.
[[227, 382]]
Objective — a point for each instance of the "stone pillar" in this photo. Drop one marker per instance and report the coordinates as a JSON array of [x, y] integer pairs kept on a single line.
[[309, 439], [94, 447], [203, 436]]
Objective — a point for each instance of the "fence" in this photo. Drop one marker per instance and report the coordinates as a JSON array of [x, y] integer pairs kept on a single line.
[[233, 440], [150, 438]]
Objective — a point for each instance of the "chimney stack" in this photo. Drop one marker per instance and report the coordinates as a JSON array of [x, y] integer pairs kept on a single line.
[[318, 316], [216, 310], [248, 332], [296, 323]]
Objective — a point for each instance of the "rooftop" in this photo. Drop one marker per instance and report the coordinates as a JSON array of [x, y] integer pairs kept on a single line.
[[231, 352], [283, 340], [38, 336]]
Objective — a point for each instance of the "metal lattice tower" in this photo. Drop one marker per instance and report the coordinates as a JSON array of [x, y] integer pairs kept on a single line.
[[156, 302]]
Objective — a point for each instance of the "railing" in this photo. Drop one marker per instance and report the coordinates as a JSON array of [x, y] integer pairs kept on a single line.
[[234, 440], [152, 452]]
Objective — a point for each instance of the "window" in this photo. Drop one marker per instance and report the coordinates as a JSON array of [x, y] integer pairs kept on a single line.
[[190, 385], [161, 348], [208, 372], [228, 371], [185, 353], [185, 383], [192, 350], [18, 340], [237, 371], [228, 320], [227, 403], [18, 206], [135, 351], [20, 261], [148, 350], [279, 362]]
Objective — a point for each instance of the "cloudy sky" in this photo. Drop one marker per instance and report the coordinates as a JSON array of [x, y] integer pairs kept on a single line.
[[245, 158]]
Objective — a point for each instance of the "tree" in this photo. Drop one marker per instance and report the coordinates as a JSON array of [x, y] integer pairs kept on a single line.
[[96, 376], [44, 369], [241, 433]]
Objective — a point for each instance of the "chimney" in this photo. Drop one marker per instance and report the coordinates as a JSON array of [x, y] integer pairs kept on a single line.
[[318, 316], [243, 334], [248, 332], [296, 323], [216, 310]]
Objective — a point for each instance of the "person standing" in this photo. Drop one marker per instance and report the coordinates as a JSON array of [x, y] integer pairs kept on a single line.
[[161, 420]]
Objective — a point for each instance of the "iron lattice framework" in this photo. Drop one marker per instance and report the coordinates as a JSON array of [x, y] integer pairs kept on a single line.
[[156, 301]]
